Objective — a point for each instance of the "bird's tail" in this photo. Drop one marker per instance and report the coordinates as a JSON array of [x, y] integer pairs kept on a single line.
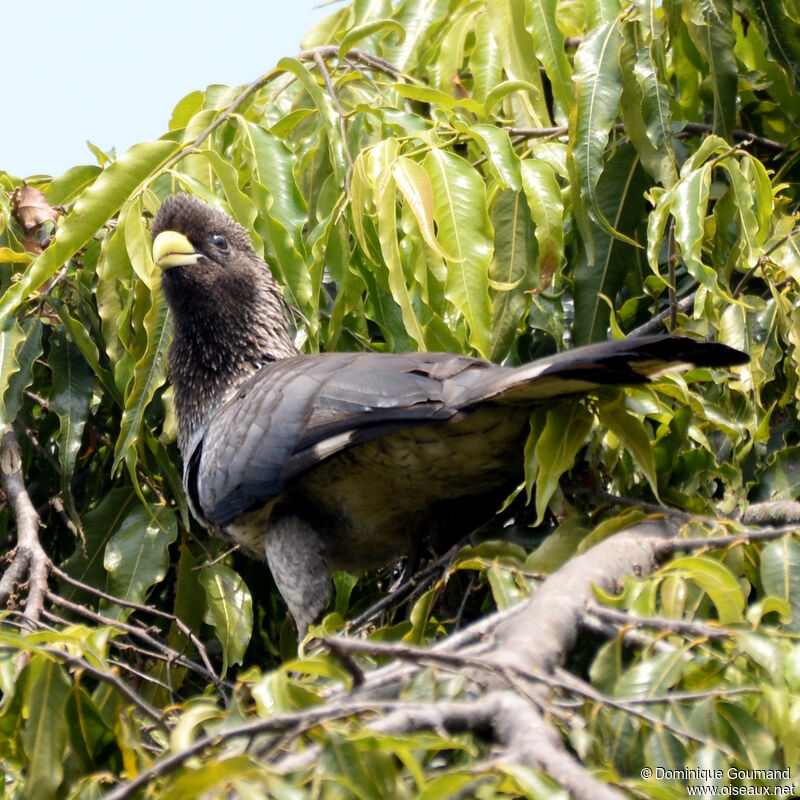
[[618, 363]]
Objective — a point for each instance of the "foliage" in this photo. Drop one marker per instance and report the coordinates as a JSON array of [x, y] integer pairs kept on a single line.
[[504, 178]]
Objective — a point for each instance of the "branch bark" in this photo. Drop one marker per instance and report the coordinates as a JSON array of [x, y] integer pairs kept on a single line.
[[30, 560]]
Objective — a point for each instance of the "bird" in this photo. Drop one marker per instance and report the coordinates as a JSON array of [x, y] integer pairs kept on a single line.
[[346, 460]]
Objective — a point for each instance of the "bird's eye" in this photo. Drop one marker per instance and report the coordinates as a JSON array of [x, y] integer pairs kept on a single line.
[[219, 241]]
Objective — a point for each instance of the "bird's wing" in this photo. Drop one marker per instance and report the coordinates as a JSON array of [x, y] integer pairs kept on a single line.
[[296, 412]]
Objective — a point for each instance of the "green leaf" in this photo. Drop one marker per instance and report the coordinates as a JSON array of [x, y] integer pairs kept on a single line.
[[549, 46], [420, 617], [598, 85], [446, 70], [26, 354], [361, 32], [500, 155], [485, 61], [150, 373], [9, 256], [230, 611], [189, 605], [645, 109], [81, 333], [711, 29], [780, 480], [735, 727], [136, 557], [11, 337], [547, 212], [416, 19], [518, 56], [215, 776], [565, 431], [45, 732], [272, 166], [633, 435], [783, 33], [653, 676], [691, 204], [73, 381], [382, 160], [513, 267], [99, 525], [91, 211], [502, 90], [751, 233], [717, 582], [326, 112], [450, 784], [612, 264], [242, 207], [427, 94], [186, 108], [89, 735], [465, 233], [532, 783], [283, 210], [414, 184], [780, 575], [506, 589], [71, 184]]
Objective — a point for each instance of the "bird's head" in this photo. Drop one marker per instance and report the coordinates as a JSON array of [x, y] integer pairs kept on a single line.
[[201, 249], [212, 278], [228, 310]]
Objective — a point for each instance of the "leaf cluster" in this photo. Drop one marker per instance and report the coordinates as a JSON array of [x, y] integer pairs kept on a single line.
[[504, 178]]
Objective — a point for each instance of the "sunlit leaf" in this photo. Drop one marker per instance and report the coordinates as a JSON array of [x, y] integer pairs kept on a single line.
[[230, 611], [91, 211], [136, 556]]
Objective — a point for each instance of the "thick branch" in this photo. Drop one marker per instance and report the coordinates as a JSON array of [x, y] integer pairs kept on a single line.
[[516, 725], [556, 610], [30, 558], [776, 512]]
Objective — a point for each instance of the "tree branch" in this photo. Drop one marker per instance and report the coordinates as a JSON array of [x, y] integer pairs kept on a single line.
[[30, 559]]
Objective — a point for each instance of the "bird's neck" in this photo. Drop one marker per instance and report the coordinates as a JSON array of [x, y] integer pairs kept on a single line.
[[214, 352]]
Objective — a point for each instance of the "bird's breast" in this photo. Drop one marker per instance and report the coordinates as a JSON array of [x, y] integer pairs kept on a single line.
[[382, 497]]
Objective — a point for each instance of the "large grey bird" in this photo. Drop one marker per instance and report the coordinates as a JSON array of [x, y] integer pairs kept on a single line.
[[345, 460]]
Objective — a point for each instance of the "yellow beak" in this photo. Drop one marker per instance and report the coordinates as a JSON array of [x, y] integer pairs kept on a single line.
[[172, 249]]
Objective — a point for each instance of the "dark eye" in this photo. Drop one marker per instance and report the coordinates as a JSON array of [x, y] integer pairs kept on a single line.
[[219, 241]]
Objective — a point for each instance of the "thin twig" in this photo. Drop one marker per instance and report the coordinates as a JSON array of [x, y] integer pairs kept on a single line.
[[209, 673], [354, 54], [340, 114], [98, 434], [739, 135], [691, 128], [717, 542], [106, 676], [684, 627], [249, 730], [671, 279], [656, 325]]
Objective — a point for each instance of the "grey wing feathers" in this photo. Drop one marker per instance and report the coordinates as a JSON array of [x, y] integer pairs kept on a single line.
[[297, 412]]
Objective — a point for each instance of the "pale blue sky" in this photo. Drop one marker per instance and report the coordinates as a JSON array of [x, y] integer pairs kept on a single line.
[[112, 72]]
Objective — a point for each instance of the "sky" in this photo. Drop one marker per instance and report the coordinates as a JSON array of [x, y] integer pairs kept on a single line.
[[112, 72]]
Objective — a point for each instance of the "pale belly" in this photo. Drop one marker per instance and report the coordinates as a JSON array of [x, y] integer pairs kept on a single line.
[[378, 500], [382, 497]]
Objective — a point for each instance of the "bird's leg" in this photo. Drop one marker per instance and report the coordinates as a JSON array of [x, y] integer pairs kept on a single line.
[[297, 558]]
